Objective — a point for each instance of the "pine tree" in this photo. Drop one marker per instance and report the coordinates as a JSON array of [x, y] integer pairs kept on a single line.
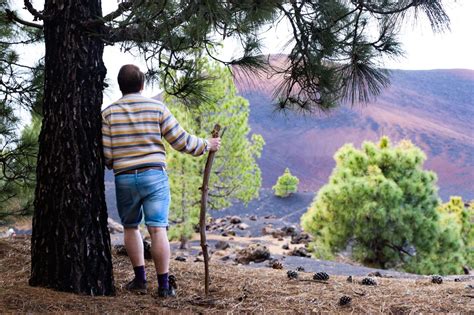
[[458, 218], [20, 87], [381, 200], [334, 56], [236, 175], [286, 184]]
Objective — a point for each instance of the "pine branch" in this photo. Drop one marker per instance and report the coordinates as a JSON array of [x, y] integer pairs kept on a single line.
[[143, 35], [122, 8], [37, 15], [12, 17], [16, 64]]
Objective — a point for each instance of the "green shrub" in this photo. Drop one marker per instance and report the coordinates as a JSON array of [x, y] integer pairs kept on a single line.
[[286, 184], [380, 201]]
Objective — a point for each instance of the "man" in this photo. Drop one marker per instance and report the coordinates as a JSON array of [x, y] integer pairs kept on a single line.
[[133, 130]]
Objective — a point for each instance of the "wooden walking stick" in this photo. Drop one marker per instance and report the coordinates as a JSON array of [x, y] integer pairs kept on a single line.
[[202, 216]]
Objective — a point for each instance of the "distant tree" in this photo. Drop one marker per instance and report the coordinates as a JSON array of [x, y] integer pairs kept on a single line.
[[381, 201], [235, 175], [286, 184], [334, 55], [459, 217]]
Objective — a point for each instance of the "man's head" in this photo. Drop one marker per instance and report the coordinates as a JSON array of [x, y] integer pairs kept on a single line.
[[130, 79]]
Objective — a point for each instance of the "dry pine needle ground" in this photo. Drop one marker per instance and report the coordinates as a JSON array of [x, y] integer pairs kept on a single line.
[[235, 289]]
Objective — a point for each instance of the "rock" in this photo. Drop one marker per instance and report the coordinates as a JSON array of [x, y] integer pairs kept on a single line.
[[301, 238], [300, 251], [289, 230], [243, 226], [114, 227], [230, 233], [10, 233], [220, 221], [278, 234], [222, 245], [253, 218], [180, 258], [286, 246], [199, 259], [375, 274], [466, 270], [270, 216], [268, 230], [235, 219], [147, 249], [253, 253]]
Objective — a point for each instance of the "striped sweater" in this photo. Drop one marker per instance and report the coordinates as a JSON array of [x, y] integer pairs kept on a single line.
[[133, 129]]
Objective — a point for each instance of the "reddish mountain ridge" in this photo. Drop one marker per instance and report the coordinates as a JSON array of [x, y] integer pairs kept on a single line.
[[434, 109]]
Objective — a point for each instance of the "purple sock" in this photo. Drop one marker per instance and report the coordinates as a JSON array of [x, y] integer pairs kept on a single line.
[[140, 274], [163, 281]]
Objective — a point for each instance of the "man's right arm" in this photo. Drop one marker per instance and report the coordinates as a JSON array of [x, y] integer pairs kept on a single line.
[[178, 138]]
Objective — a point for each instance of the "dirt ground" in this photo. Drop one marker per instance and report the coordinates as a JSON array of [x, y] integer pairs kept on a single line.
[[234, 289]]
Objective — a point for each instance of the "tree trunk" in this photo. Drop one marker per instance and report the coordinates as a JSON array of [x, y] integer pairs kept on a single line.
[[70, 245]]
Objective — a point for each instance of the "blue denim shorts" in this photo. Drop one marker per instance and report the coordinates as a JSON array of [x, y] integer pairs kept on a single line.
[[143, 194]]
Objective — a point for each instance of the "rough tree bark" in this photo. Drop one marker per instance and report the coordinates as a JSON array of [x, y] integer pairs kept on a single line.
[[70, 245]]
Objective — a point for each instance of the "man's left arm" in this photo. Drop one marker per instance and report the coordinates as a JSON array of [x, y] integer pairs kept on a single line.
[[107, 143]]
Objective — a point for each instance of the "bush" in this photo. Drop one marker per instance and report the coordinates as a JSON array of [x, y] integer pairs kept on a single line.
[[380, 201], [460, 217], [286, 184]]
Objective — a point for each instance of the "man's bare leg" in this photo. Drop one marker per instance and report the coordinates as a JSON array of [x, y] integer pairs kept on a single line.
[[134, 246], [160, 249]]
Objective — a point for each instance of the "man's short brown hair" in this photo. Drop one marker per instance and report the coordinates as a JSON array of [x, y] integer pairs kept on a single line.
[[130, 79]]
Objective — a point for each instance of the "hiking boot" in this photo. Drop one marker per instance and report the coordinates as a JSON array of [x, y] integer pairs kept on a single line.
[[165, 293], [136, 286]]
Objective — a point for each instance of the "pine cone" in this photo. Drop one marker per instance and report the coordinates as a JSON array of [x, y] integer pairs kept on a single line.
[[277, 265], [299, 268], [292, 274], [321, 276], [437, 279], [345, 300], [172, 281], [368, 281]]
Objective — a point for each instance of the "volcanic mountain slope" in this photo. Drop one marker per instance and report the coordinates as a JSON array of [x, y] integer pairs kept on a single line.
[[434, 109]]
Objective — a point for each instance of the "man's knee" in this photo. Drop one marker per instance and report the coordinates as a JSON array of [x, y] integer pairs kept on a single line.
[[130, 228], [156, 230]]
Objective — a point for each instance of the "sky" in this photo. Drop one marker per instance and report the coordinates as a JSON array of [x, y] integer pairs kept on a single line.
[[424, 50]]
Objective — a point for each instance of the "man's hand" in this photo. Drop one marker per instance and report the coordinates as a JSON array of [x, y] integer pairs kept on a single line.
[[214, 144]]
